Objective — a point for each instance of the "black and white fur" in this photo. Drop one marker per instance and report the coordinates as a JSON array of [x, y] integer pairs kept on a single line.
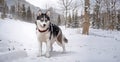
[[48, 33]]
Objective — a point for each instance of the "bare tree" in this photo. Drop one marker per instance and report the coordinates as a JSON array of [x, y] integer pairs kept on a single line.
[[86, 22], [113, 14], [65, 5], [97, 10], [75, 6]]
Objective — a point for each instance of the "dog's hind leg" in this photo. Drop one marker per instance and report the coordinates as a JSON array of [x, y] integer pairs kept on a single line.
[[63, 46], [64, 40], [61, 42]]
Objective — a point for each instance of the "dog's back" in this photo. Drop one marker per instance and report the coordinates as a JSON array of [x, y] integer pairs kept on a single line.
[[55, 31]]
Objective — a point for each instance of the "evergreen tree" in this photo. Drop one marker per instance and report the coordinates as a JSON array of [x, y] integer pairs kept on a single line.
[[23, 15], [76, 23], [5, 7], [118, 24], [1, 5], [33, 16], [69, 20], [19, 10], [73, 17], [76, 15], [1, 1], [29, 14], [12, 11], [59, 20]]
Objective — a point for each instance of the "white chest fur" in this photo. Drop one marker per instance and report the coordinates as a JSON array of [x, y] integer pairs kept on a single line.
[[43, 37]]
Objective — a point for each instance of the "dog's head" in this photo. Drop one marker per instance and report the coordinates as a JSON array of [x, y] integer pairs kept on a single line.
[[43, 20]]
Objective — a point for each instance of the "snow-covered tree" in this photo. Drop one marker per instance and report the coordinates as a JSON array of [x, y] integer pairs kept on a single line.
[[65, 5], [86, 22], [96, 12]]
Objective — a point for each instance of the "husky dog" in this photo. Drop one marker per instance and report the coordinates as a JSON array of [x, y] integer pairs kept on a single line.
[[48, 33]]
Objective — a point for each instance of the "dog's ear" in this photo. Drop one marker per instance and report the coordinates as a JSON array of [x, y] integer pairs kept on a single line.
[[48, 13], [39, 12]]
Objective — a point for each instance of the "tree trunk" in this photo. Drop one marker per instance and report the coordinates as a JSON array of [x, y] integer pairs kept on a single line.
[[86, 23], [66, 18]]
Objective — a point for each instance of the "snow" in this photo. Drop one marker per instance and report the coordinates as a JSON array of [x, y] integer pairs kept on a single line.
[[18, 43], [5, 57]]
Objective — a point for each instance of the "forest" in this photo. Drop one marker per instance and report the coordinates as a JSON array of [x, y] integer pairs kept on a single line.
[[98, 14]]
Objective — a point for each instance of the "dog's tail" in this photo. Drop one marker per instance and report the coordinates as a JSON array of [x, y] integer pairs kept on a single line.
[[65, 40]]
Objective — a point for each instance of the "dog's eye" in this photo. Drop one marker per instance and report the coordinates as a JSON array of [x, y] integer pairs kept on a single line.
[[41, 20], [45, 20]]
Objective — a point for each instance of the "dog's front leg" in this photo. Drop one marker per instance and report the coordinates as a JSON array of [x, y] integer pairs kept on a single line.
[[40, 49], [48, 48]]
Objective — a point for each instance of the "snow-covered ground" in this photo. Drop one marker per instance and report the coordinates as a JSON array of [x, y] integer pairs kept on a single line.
[[18, 43]]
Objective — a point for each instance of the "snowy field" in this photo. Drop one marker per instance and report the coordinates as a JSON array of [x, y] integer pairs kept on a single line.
[[18, 43]]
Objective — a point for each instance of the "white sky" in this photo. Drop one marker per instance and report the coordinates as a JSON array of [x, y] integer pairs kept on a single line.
[[44, 3]]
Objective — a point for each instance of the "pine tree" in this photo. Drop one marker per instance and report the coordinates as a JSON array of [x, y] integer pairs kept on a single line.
[[1, 5], [118, 24], [12, 11], [73, 16], [1, 1], [23, 12], [96, 10], [69, 20], [5, 7], [76, 23], [59, 20], [118, 16], [19, 10], [33, 16], [29, 14]]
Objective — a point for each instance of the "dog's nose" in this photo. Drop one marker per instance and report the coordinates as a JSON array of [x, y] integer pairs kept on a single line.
[[44, 25]]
